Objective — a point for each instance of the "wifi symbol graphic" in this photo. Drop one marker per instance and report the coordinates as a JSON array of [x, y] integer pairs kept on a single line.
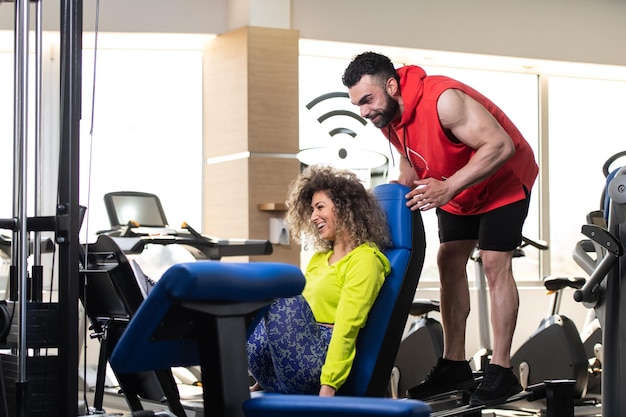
[[343, 127], [340, 114]]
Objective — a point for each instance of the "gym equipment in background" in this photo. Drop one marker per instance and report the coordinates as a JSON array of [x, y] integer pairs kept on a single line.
[[555, 350], [588, 255], [113, 287], [605, 292], [128, 209]]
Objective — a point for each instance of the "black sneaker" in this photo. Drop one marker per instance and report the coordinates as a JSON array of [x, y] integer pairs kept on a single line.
[[446, 376], [497, 385]]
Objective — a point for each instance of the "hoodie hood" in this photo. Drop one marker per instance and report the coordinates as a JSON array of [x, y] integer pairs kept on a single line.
[[411, 89]]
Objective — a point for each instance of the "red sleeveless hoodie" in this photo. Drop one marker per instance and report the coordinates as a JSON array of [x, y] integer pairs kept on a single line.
[[418, 135]]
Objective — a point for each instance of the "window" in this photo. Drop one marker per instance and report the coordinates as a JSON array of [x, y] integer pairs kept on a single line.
[[585, 130], [6, 132], [147, 130], [147, 123], [7, 107]]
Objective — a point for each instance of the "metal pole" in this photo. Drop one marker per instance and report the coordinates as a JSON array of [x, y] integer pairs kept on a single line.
[[37, 272], [20, 236], [483, 312], [68, 210]]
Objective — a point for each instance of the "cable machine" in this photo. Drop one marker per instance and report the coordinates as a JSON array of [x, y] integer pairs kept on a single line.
[[61, 318]]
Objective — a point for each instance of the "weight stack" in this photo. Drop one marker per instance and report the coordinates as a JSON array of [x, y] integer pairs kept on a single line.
[[42, 364]]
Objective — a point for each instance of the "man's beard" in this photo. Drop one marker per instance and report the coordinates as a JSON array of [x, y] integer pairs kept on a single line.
[[387, 114]]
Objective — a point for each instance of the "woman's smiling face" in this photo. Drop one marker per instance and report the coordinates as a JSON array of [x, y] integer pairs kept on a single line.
[[323, 215]]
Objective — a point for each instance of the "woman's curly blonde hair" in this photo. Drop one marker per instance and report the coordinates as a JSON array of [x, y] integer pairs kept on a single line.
[[357, 210]]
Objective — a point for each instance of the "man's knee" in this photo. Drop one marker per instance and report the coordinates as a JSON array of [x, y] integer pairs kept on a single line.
[[497, 265], [457, 251]]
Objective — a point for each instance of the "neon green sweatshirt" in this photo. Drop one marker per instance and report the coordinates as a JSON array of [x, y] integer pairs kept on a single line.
[[342, 294]]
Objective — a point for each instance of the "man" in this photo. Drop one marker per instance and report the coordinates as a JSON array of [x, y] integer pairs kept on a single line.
[[463, 156]]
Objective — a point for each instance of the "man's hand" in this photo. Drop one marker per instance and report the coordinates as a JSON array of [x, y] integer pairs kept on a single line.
[[429, 193], [327, 391]]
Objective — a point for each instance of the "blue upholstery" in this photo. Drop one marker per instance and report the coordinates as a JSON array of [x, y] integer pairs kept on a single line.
[[276, 405], [379, 340], [211, 282]]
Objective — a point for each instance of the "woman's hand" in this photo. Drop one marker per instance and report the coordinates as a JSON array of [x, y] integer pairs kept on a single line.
[[327, 391]]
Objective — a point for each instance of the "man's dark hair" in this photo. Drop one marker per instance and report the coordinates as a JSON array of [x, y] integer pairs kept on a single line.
[[369, 63]]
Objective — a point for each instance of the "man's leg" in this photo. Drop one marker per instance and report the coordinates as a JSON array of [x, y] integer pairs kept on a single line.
[[454, 299], [504, 299], [500, 233], [499, 381], [452, 372]]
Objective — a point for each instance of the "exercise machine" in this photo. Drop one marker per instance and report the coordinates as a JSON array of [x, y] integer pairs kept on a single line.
[[137, 219], [111, 294], [113, 287], [605, 292], [588, 254], [554, 350]]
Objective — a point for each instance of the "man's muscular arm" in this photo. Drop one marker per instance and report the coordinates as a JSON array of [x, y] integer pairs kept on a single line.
[[474, 126]]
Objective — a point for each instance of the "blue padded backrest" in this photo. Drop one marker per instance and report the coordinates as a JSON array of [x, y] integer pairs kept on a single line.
[[211, 282], [399, 217], [378, 341]]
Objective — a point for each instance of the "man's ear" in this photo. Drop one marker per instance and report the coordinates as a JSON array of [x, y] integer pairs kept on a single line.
[[392, 87]]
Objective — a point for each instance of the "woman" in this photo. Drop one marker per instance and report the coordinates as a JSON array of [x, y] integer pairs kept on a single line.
[[306, 344]]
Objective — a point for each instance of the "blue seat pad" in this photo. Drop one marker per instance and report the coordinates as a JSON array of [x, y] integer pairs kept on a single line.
[[276, 405], [232, 282], [207, 282]]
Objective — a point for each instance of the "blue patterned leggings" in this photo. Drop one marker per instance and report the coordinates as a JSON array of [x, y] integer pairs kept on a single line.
[[288, 347]]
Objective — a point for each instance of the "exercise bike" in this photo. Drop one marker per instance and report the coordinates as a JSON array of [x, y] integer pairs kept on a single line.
[[555, 349]]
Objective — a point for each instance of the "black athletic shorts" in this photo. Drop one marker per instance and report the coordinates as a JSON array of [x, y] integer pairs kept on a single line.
[[498, 230]]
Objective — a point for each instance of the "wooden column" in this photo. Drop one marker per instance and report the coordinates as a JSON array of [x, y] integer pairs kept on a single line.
[[250, 134]]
